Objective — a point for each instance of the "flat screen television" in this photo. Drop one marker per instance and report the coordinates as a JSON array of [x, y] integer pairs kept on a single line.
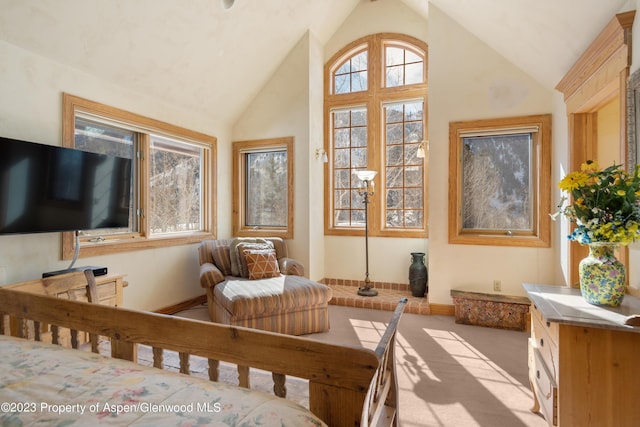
[[46, 188]]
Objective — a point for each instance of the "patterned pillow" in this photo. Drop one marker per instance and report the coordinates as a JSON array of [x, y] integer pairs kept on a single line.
[[242, 262], [238, 264], [261, 263]]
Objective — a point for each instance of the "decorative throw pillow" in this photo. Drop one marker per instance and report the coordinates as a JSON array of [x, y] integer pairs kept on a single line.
[[261, 263], [242, 262], [235, 254]]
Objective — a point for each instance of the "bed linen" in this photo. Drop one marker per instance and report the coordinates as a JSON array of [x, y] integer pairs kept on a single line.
[[43, 384]]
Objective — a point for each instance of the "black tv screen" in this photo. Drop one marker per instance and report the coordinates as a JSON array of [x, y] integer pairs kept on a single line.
[[46, 188]]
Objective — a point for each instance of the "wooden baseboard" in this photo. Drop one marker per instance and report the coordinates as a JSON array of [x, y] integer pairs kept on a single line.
[[442, 309], [184, 305]]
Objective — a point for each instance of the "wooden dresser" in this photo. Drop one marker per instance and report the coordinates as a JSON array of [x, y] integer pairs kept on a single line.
[[584, 362]]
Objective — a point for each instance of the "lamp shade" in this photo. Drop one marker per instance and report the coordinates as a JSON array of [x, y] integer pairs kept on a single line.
[[366, 175], [226, 4]]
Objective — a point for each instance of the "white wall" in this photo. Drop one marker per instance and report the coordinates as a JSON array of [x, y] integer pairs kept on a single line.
[[389, 258], [31, 88], [282, 108], [467, 80]]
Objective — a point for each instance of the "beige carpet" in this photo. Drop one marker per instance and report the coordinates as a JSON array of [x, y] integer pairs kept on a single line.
[[448, 374]]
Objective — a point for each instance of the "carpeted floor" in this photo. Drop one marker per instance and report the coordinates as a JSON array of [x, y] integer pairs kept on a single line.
[[448, 374]]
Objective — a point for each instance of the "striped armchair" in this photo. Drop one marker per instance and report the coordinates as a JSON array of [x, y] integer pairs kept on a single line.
[[284, 301]]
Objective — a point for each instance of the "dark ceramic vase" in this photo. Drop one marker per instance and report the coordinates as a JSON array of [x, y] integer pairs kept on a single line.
[[418, 275]]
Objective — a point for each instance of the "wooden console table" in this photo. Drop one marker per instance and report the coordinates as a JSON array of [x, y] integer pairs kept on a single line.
[[584, 361], [108, 288]]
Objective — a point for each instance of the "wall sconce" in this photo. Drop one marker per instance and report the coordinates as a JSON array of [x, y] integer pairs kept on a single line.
[[226, 4], [420, 153], [322, 155]]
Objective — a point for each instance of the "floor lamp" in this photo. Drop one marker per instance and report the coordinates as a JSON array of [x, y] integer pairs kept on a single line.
[[366, 192]]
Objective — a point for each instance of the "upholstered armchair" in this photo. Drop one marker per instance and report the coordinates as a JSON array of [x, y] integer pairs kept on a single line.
[[253, 283]]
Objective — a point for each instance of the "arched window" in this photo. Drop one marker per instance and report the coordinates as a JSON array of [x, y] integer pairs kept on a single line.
[[376, 119]]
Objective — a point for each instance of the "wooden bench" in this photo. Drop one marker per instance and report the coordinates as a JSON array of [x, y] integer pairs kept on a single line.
[[491, 310]]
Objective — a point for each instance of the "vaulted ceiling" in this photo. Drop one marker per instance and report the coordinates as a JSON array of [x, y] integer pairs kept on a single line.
[[198, 55]]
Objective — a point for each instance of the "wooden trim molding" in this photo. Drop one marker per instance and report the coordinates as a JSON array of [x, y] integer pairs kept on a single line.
[[184, 305], [598, 66], [598, 76]]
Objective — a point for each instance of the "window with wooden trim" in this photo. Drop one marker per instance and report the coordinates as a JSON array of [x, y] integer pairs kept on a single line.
[[263, 188], [172, 189], [499, 181], [376, 119]]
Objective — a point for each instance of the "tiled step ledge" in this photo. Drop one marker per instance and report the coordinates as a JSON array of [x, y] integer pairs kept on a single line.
[[345, 293]]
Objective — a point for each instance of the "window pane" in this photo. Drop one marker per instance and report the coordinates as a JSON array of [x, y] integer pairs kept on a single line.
[[359, 137], [359, 62], [395, 76], [357, 218], [403, 67], [174, 186], [359, 81], [342, 199], [394, 113], [411, 57], [413, 198], [341, 119], [105, 139], [413, 219], [352, 75], [394, 155], [394, 219], [414, 73], [394, 134], [341, 138], [404, 169], [344, 68], [359, 117], [267, 189], [394, 177], [395, 56], [349, 153], [342, 158], [341, 218], [497, 182], [342, 83], [359, 158], [414, 176], [342, 178]]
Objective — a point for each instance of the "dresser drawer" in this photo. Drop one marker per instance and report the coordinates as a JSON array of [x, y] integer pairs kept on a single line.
[[550, 328], [544, 385], [546, 346]]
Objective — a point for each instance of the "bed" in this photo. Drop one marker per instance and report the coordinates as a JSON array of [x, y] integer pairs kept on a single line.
[[347, 386]]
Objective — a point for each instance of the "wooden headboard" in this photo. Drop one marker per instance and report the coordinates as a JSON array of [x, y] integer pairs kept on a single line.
[[348, 386]]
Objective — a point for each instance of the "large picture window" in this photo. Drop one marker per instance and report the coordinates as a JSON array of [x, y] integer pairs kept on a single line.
[[172, 188], [375, 112], [500, 191]]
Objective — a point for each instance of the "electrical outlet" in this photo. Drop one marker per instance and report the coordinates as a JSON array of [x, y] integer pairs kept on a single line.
[[497, 286]]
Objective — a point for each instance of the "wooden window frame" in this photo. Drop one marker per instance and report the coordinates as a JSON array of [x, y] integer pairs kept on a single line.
[[540, 236], [373, 99], [240, 148], [73, 105]]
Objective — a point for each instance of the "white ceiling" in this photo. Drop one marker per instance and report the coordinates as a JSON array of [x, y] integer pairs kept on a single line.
[[199, 56]]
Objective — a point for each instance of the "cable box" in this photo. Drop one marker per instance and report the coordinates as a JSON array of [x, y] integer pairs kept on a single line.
[[97, 271]]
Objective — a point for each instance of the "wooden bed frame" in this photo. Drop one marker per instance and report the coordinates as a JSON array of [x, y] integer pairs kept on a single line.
[[348, 386]]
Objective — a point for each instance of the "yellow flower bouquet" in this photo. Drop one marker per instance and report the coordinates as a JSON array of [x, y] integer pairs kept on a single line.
[[605, 204]]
